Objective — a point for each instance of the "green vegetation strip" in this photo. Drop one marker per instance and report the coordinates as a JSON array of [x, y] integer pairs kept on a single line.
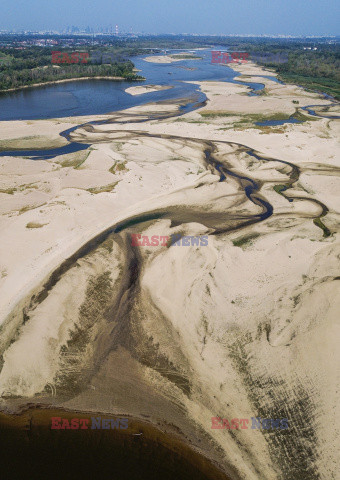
[[184, 56], [279, 189], [247, 118], [326, 85], [246, 240], [320, 224]]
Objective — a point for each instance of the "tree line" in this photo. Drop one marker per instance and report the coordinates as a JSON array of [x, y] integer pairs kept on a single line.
[[34, 65]]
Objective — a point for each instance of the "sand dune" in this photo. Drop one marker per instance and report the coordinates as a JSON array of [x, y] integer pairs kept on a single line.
[[243, 327]]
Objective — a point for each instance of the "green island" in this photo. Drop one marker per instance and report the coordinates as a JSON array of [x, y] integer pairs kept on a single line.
[[33, 65]]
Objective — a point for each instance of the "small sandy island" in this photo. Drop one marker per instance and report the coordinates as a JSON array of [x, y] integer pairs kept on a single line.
[[140, 89], [176, 57]]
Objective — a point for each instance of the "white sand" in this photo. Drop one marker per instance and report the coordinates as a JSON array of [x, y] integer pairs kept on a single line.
[[140, 89], [169, 58], [252, 320]]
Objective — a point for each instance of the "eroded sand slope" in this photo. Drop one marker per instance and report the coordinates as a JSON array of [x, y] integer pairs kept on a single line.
[[246, 326]]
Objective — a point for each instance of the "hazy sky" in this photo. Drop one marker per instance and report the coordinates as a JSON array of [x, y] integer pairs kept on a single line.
[[292, 17]]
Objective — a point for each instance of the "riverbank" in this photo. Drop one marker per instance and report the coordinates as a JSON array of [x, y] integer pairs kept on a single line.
[[322, 85], [65, 80]]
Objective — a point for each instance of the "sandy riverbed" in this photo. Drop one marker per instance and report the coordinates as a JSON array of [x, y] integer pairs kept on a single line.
[[246, 326]]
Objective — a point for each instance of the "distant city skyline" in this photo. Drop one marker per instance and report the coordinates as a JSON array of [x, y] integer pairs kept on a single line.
[[122, 33], [218, 17]]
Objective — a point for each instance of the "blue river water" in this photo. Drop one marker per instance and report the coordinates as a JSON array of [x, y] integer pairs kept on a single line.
[[95, 97]]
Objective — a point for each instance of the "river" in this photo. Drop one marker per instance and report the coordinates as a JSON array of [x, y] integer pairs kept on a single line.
[[96, 97]]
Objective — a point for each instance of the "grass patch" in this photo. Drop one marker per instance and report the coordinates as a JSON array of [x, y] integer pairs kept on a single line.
[[279, 189], [118, 167], [209, 114], [185, 56], [321, 84], [118, 145], [8, 191], [261, 92], [35, 225], [260, 117], [36, 142], [251, 120], [189, 121], [318, 222], [302, 117], [27, 208], [247, 118], [75, 160], [104, 188], [246, 240], [20, 188], [83, 160]]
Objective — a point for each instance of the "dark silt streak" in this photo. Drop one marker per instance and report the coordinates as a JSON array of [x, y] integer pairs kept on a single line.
[[250, 189], [127, 294], [310, 111], [189, 105], [294, 176], [176, 216]]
